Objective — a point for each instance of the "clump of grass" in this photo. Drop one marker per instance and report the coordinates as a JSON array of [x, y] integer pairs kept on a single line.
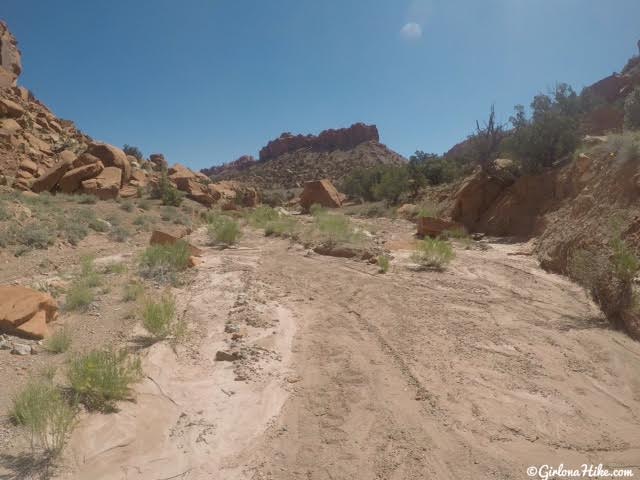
[[127, 206], [383, 263], [85, 199], [169, 214], [223, 230], [79, 296], [59, 341], [115, 268], [103, 377], [132, 291], [42, 410], [433, 253], [282, 227], [334, 229], [144, 204], [80, 293], [163, 262], [74, 231], [263, 215], [35, 236], [119, 233], [159, 317]]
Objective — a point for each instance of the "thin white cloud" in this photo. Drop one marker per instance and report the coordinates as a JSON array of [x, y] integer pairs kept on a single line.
[[411, 31]]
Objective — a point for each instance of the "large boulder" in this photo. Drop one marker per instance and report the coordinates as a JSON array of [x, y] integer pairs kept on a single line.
[[85, 159], [26, 312], [111, 157], [106, 185], [195, 190], [179, 171], [50, 178], [321, 192], [10, 58], [10, 109], [72, 180]]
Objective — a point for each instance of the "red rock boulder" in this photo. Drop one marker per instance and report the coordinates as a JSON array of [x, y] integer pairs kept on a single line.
[[434, 227], [72, 180], [106, 185], [10, 58], [321, 192], [26, 312], [50, 178], [111, 156]]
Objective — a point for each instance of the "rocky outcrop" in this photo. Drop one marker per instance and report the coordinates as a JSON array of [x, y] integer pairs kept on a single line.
[[72, 180], [106, 185], [163, 237], [49, 179], [10, 58], [26, 312], [231, 168], [343, 139], [111, 157], [321, 192]]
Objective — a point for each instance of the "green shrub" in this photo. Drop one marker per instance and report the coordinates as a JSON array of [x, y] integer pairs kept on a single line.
[[88, 274], [384, 182], [632, 110], [223, 230], [102, 377], [133, 151], [4, 212], [42, 410], [433, 253], [144, 204], [132, 291], [85, 199], [283, 227], [74, 232], [127, 205], [262, 215], [163, 262], [333, 229], [383, 263], [35, 236], [79, 296], [119, 234], [551, 133], [165, 191], [59, 341], [159, 318]]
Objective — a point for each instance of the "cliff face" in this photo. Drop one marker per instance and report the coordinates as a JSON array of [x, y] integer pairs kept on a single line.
[[10, 59], [328, 140]]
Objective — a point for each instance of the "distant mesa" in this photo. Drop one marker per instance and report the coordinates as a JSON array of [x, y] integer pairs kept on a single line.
[[328, 140], [242, 163]]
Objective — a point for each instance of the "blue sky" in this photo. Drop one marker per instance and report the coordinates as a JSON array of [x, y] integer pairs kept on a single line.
[[205, 81]]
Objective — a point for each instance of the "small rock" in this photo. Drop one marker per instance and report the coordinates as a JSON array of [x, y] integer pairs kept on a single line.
[[222, 356], [231, 328], [21, 349], [477, 236]]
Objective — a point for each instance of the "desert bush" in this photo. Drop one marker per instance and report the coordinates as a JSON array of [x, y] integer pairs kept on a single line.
[[433, 253], [85, 199], [4, 212], [79, 296], [133, 151], [383, 263], [35, 236], [166, 192], [59, 341], [127, 205], [116, 268], [159, 317], [485, 142], [119, 233], [102, 377], [163, 262], [632, 110], [262, 215], [42, 410], [334, 229], [75, 231], [88, 274], [282, 227], [384, 182], [223, 230], [607, 276], [132, 291], [551, 133], [144, 204]]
